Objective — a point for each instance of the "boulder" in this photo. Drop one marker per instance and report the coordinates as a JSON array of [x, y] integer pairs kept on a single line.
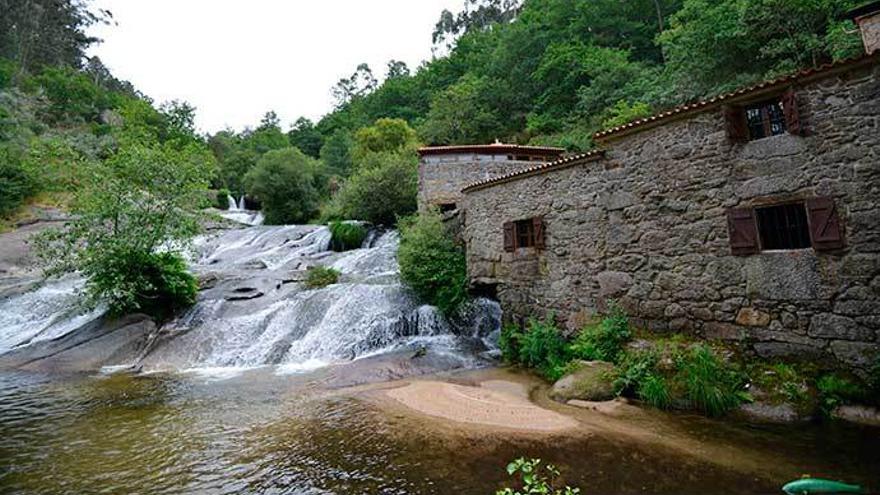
[[865, 415], [592, 381], [766, 412]]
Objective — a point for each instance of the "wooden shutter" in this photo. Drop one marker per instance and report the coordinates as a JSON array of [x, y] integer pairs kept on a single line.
[[743, 231], [826, 231], [509, 237], [792, 116], [735, 118], [538, 223]]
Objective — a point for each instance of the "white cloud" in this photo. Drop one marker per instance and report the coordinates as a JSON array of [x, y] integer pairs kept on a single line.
[[235, 60]]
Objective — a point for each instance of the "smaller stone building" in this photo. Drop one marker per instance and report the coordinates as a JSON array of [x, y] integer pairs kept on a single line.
[[445, 170]]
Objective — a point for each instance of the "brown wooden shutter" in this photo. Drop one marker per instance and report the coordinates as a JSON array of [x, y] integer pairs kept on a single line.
[[735, 118], [826, 231], [538, 223], [509, 237], [743, 231], [792, 116]]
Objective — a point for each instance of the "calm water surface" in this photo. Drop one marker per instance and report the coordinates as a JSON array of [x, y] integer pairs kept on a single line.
[[266, 434]]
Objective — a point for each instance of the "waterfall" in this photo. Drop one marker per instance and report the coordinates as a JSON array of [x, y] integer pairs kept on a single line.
[[232, 205], [254, 309], [241, 203]]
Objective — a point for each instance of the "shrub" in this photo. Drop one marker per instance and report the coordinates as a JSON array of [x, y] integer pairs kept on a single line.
[[285, 182], [605, 341], [508, 343], [381, 190], [346, 235], [533, 480], [157, 284], [72, 94], [431, 263], [835, 390], [16, 182], [542, 347], [222, 200], [711, 385], [633, 369], [321, 276]]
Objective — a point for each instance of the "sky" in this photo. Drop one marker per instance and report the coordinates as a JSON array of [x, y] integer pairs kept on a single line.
[[236, 60]]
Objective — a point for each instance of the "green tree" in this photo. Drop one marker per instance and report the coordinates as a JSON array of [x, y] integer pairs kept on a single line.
[[336, 153], [286, 182], [383, 188], [459, 115], [131, 217], [385, 136], [304, 136]]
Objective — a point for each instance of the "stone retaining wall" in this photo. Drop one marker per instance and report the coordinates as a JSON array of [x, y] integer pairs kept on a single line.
[[647, 226]]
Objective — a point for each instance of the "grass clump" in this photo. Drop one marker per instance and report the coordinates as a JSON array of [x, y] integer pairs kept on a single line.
[[654, 390], [318, 277], [431, 262], [712, 386], [539, 346], [346, 236], [837, 390]]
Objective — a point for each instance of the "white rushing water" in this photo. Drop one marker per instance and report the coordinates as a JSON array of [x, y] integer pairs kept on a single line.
[[254, 309]]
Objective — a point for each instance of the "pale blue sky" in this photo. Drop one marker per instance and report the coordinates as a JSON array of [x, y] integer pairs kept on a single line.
[[235, 60]]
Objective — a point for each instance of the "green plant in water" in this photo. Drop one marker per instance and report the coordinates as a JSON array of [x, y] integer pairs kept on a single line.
[[321, 276], [535, 479], [346, 235], [712, 385], [633, 369], [605, 341]]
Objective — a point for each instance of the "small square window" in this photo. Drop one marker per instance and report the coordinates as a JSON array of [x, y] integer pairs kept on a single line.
[[525, 233], [765, 119], [783, 226]]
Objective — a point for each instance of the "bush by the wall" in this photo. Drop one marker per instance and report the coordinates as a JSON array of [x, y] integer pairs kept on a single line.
[[346, 235], [835, 390], [712, 386], [431, 263], [605, 341]]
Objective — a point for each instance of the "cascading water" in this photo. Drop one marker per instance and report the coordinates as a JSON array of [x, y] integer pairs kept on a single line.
[[238, 213], [254, 309], [231, 201]]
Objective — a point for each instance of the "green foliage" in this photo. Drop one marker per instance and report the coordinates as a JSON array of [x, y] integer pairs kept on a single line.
[[605, 341], [431, 262], [336, 153], [144, 197], [535, 479], [305, 137], [347, 235], [633, 369], [711, 385], [385, 136], [222, 199], [286, 182], [7, 72], [72, 95], [654, 390], [835, 390], [459, 116], [319, 277], [17, 183], [542, 347], [782, 382], [508, 343], [383, 188], [623, 113]]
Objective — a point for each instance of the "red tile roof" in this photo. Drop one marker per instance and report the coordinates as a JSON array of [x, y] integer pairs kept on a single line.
[[496, 148], [740, 94], [566, 162]]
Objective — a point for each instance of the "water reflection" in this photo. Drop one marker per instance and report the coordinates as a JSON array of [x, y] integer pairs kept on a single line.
[[177, 433]]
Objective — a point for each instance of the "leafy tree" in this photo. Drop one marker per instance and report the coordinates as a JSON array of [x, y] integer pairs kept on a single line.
[[304, 136], [72, 95], [17, 183], [383, 188], [286, 182], [385, 136], [132, 214], [359, 84], [336, 153], [476, 15], [459, 115], [396, 68]]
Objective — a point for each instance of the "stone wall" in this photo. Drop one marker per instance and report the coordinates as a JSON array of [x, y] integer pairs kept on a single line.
[[441, 179], [646, 225]]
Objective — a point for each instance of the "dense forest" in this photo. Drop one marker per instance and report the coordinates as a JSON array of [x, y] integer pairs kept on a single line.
[[532, 71]]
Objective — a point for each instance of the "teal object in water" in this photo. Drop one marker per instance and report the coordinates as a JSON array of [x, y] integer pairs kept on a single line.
[[814, 486]]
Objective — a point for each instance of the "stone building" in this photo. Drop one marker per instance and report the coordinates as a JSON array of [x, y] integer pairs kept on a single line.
[[445, 170], [753, 217]]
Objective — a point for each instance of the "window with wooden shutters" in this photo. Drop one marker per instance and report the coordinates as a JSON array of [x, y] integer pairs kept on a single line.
[[765, 119], [524, 234], [792, 115], [826, 230], [509, 237], [737, 130], [783, 226], [743, 231]]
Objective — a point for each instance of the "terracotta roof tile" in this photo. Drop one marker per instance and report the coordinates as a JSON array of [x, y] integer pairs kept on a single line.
[[495, 148], [742, 92], [537, 169]]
